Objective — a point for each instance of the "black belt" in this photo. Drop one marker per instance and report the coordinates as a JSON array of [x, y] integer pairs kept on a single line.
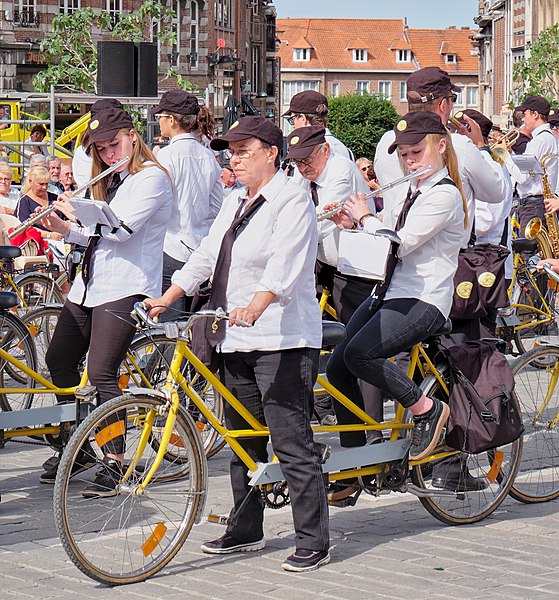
[[523, 201]]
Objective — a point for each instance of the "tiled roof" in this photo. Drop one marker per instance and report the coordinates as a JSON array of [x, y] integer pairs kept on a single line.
[[331, 42]]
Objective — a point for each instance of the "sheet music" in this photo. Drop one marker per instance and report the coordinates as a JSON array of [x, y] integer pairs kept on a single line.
[[94, 212], [527, 163]]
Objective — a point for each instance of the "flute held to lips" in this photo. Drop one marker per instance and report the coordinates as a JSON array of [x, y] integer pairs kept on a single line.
[[334, 211], [35, 218]]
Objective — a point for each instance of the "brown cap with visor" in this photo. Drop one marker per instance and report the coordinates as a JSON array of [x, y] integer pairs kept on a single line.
[[247, 127], [302, 141], [536, 103], [306, 103], [485, 123], [178, 102], [107, 123], [429, 84], [414, 126]]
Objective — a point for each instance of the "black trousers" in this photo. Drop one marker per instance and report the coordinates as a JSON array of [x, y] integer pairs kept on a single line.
[[529, 208], [277, 388], [103, 337], [180, 306]]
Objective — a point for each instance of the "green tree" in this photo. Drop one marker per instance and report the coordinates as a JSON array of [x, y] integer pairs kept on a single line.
[[71, 53], [359, 121], [538, 72]]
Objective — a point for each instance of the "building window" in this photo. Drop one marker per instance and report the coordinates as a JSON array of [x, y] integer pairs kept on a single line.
[[68, 6], [471, 96], [403, 91], [403, 56], [359, 55], [223, 13], [459, 97], [451, 59], [385, 89], [301, 54], [194, 34], [25, 14], [362, 87], [335, 90], [114, 7]]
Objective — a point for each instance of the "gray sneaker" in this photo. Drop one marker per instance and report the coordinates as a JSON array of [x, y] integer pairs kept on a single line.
[[428, 431]]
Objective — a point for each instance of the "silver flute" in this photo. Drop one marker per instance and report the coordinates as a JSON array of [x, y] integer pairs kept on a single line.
[[32, 220], [326, 214]]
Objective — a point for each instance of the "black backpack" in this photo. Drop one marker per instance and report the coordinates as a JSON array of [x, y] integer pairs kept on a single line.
[[484, 413]]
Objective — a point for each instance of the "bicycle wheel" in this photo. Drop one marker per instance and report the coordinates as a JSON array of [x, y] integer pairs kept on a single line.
[[537, 328], [537, 392], [130, 536], [495, 468], [150, 356], [36, 289], [16, 341]]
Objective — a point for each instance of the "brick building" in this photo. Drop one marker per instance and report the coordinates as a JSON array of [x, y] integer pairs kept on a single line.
[[222, 46], [339, 56]]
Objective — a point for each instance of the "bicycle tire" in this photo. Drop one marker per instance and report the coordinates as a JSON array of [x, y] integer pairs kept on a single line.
[[538, 476], [129, 537], [16, 340], [153, 354], [469, 506], [37, 289]]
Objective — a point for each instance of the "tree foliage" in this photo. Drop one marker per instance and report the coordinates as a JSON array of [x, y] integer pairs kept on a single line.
[[359, 121], [538, 72], [71, 53]]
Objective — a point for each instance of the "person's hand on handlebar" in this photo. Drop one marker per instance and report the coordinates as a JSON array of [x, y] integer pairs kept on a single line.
[[158, 305]]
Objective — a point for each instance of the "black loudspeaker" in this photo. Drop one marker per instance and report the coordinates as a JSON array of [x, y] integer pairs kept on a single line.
[[116, 69], [146, 69]]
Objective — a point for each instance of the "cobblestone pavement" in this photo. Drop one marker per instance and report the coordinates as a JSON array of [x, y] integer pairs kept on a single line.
[[382, 548]]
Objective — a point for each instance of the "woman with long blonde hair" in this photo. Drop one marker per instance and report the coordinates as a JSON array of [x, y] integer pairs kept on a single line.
[[121, 266], [414, 301]]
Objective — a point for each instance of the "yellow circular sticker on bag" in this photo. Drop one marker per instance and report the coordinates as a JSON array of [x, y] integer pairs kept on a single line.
[[464, 289], [486, 279]]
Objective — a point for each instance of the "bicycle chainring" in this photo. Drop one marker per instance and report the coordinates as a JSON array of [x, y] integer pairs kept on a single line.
[[275, 495]]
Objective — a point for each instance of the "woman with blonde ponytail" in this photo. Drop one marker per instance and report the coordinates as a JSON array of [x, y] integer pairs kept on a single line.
[[414, 301]]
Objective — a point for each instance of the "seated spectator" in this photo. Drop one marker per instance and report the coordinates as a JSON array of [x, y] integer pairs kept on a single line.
[[67, 177], [8, 195], [4, 117], [38, 134], [54, 165], [228, 177]]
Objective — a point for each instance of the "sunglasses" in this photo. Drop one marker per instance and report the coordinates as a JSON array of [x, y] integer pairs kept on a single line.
[[291, 119], [452, 97]]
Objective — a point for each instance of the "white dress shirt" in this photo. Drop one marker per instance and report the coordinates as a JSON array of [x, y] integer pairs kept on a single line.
[[543, 142], [81, 166], [276, 253], [431, 239], [338, 181], [482, 177], [198, 193], [337, 146], [128, 261]]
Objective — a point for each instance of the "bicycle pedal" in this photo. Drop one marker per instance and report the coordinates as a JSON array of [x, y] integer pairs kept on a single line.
[[349, 501], [324, 451], [218, 519]]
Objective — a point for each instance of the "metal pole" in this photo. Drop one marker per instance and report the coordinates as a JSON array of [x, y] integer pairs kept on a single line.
[[52, 112]]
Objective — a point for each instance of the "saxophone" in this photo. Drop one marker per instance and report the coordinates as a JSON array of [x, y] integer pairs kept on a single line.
[[548, 240]]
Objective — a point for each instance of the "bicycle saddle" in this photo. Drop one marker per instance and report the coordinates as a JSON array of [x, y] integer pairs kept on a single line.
[[8, 299], [524, 245], [332, 333], [10, 251]]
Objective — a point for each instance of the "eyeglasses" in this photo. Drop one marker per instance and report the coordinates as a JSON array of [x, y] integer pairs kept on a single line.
[[308, 160], [291, 119], [240, 154], [452, 97], [161, 115], [5, 179]]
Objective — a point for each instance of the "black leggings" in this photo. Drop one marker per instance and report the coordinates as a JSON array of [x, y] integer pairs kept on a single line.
[[94, 330]]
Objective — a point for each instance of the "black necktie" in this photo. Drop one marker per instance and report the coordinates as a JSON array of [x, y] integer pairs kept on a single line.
[[114, 183], [381, 289], [314, 193], [215, 331]]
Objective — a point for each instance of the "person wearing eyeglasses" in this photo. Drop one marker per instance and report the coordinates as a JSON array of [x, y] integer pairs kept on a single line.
[[260, 254], [196, 182], [311, 108], [8, 196]]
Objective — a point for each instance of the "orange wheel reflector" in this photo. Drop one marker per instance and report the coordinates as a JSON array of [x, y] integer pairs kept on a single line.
[[496, 466], [153, 540], [175, 440], [123, 381], [110, 432]]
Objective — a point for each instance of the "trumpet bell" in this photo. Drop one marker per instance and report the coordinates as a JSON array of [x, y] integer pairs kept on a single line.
[[500, 155]]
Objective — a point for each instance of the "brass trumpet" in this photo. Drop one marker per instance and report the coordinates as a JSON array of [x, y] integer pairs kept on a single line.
[[326, 214], [509, 139]]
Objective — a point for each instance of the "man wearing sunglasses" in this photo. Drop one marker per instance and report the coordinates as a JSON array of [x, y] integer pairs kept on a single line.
[[311, 108]]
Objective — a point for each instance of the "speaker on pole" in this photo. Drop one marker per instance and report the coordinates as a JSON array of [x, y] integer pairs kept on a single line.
[[116, 69], [146, 69]]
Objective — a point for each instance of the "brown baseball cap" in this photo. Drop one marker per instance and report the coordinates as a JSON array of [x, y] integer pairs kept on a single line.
[[107, 123], [178, 102], [428, 84], [536, 103], [306, 103], [414, 126], [553, 116], [104, 104], [247, 127], [485, 124], [302, 141]]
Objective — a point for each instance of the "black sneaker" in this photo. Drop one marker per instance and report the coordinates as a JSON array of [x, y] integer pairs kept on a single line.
[[52, 462], [49, 476], [463, 483], [106, 480], [227, 544], [428, 430], [305, 560]]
